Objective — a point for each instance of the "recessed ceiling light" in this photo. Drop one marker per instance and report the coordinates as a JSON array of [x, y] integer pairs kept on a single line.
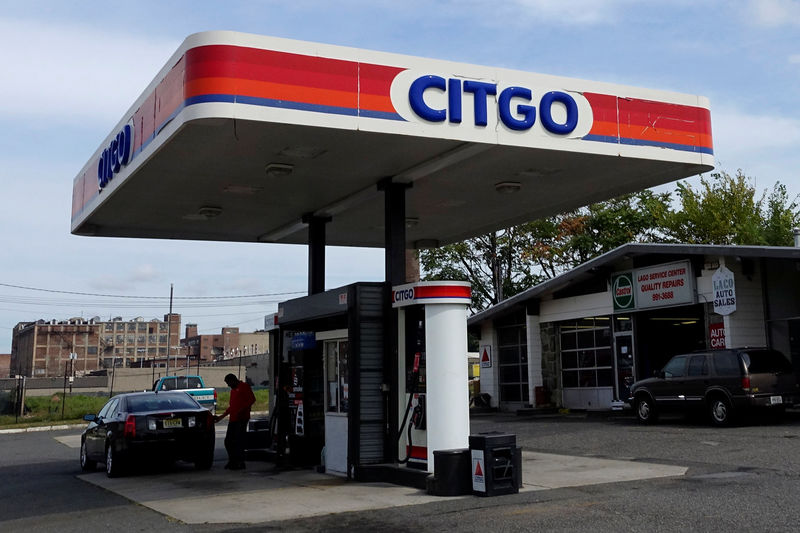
[[507, 187], [209, 211], [279, 170]]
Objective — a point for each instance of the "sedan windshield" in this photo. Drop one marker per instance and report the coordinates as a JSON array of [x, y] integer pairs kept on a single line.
[[161, 402]]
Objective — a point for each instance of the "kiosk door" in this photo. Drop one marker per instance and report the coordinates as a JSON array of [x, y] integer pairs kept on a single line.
[[335, 353]]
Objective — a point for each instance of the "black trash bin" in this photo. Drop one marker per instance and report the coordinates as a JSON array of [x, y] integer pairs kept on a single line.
[[451, 473], [496, 464]]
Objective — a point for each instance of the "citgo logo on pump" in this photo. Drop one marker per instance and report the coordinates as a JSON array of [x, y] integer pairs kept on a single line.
[[403, 295]]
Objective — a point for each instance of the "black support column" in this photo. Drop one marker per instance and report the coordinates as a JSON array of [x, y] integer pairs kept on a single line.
[[395, 220], [316, 252], [395, 248]]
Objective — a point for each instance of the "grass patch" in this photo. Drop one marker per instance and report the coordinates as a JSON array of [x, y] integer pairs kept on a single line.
[[261, 394], [47, 410]]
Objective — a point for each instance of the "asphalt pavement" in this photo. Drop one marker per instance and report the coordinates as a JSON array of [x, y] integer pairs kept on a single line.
[[581, 473], [221, 496]]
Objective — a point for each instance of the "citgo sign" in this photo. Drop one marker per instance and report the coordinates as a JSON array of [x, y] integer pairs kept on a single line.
[[519, 116], [116, 156]]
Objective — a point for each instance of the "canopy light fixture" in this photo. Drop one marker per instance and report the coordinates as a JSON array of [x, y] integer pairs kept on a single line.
[[279, 170], [209, 211], [507, 187], [411, 222]]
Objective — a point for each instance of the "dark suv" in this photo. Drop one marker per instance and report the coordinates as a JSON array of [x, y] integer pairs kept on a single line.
[[722, 382]]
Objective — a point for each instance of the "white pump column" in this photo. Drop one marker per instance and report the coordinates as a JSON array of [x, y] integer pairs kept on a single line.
[[447, 390]]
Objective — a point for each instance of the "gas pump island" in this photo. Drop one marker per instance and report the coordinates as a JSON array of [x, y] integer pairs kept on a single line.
[[255, 139]]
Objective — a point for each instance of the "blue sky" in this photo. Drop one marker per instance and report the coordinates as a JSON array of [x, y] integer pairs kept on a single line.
[[70, 70]]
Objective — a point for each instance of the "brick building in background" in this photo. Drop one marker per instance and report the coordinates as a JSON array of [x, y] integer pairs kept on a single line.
[[229, 343], [5, 365], [43, 348]]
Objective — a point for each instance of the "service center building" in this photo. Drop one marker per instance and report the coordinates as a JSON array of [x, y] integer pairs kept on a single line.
[[579, 340]]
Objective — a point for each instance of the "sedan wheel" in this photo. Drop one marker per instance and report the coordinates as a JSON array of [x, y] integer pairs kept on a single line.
[[86, 463], [113, 464], [646, 410], [720, 411]]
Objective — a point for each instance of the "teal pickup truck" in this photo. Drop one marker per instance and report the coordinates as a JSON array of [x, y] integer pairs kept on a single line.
[[193, 385]]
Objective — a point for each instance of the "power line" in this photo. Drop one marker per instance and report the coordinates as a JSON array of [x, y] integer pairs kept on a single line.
[[151, 297]]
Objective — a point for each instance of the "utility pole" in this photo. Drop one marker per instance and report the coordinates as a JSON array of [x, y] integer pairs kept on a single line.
[[169, 329]]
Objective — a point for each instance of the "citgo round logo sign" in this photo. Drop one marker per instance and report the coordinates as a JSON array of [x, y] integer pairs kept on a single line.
[[623, 291]]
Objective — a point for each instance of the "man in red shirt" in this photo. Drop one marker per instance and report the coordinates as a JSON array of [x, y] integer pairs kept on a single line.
[[242, 398]]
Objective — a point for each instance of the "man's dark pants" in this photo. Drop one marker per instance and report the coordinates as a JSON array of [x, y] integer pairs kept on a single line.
[[235, 441]]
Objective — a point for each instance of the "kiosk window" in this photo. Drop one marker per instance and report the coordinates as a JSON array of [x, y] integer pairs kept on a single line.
[[336, 376]]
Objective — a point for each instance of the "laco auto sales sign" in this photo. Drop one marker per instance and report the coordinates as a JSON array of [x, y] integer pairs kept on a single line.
[[656, 286], [724, 291]]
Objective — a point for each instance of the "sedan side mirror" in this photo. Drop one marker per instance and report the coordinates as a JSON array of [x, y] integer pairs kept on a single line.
[[90, 418]]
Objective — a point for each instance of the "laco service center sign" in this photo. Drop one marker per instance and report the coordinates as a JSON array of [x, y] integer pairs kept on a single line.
[[656, 286]]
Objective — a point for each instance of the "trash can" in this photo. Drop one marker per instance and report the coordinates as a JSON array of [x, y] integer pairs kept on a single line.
[[451, 473], [496, 464], [258, 434]]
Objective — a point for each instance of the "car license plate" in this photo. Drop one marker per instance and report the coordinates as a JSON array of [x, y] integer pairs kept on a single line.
[[773, 400], [177, 422]]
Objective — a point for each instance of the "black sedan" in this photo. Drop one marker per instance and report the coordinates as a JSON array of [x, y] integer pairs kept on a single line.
[[147, 427]]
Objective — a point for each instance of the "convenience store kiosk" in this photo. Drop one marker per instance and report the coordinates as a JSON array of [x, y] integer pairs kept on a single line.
[[335, 383]]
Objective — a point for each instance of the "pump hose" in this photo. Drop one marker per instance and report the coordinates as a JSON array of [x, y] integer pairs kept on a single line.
[[400, 431]]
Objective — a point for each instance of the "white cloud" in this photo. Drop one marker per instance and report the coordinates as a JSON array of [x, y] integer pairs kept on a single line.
[[71, 72], [763, 146], [794, 59], [738, 132], [775, 12], [146, 273], [572, 13]]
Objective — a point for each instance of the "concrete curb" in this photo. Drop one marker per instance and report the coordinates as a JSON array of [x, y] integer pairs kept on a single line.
[[58, 427]]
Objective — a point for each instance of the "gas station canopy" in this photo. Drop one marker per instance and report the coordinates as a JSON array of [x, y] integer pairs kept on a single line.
[[242, 137]]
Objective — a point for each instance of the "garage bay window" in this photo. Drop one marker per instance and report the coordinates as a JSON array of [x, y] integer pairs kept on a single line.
[[586, 356], [513, 364]]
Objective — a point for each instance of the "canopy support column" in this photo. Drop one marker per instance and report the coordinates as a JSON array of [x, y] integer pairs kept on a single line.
[[316, 252]]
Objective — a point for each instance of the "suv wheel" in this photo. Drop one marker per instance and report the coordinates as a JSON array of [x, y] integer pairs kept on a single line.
[[646, 410], [720, 411]]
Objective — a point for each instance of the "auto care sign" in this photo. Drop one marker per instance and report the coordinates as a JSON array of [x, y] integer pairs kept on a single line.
[[664, 285], [716, 334], [724, 291]]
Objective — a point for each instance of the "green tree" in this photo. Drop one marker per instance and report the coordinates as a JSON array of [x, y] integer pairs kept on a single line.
[[491, 263], [726, 209]]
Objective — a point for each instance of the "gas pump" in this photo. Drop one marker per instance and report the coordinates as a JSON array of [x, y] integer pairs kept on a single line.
[[414, 417], [432, 344]]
